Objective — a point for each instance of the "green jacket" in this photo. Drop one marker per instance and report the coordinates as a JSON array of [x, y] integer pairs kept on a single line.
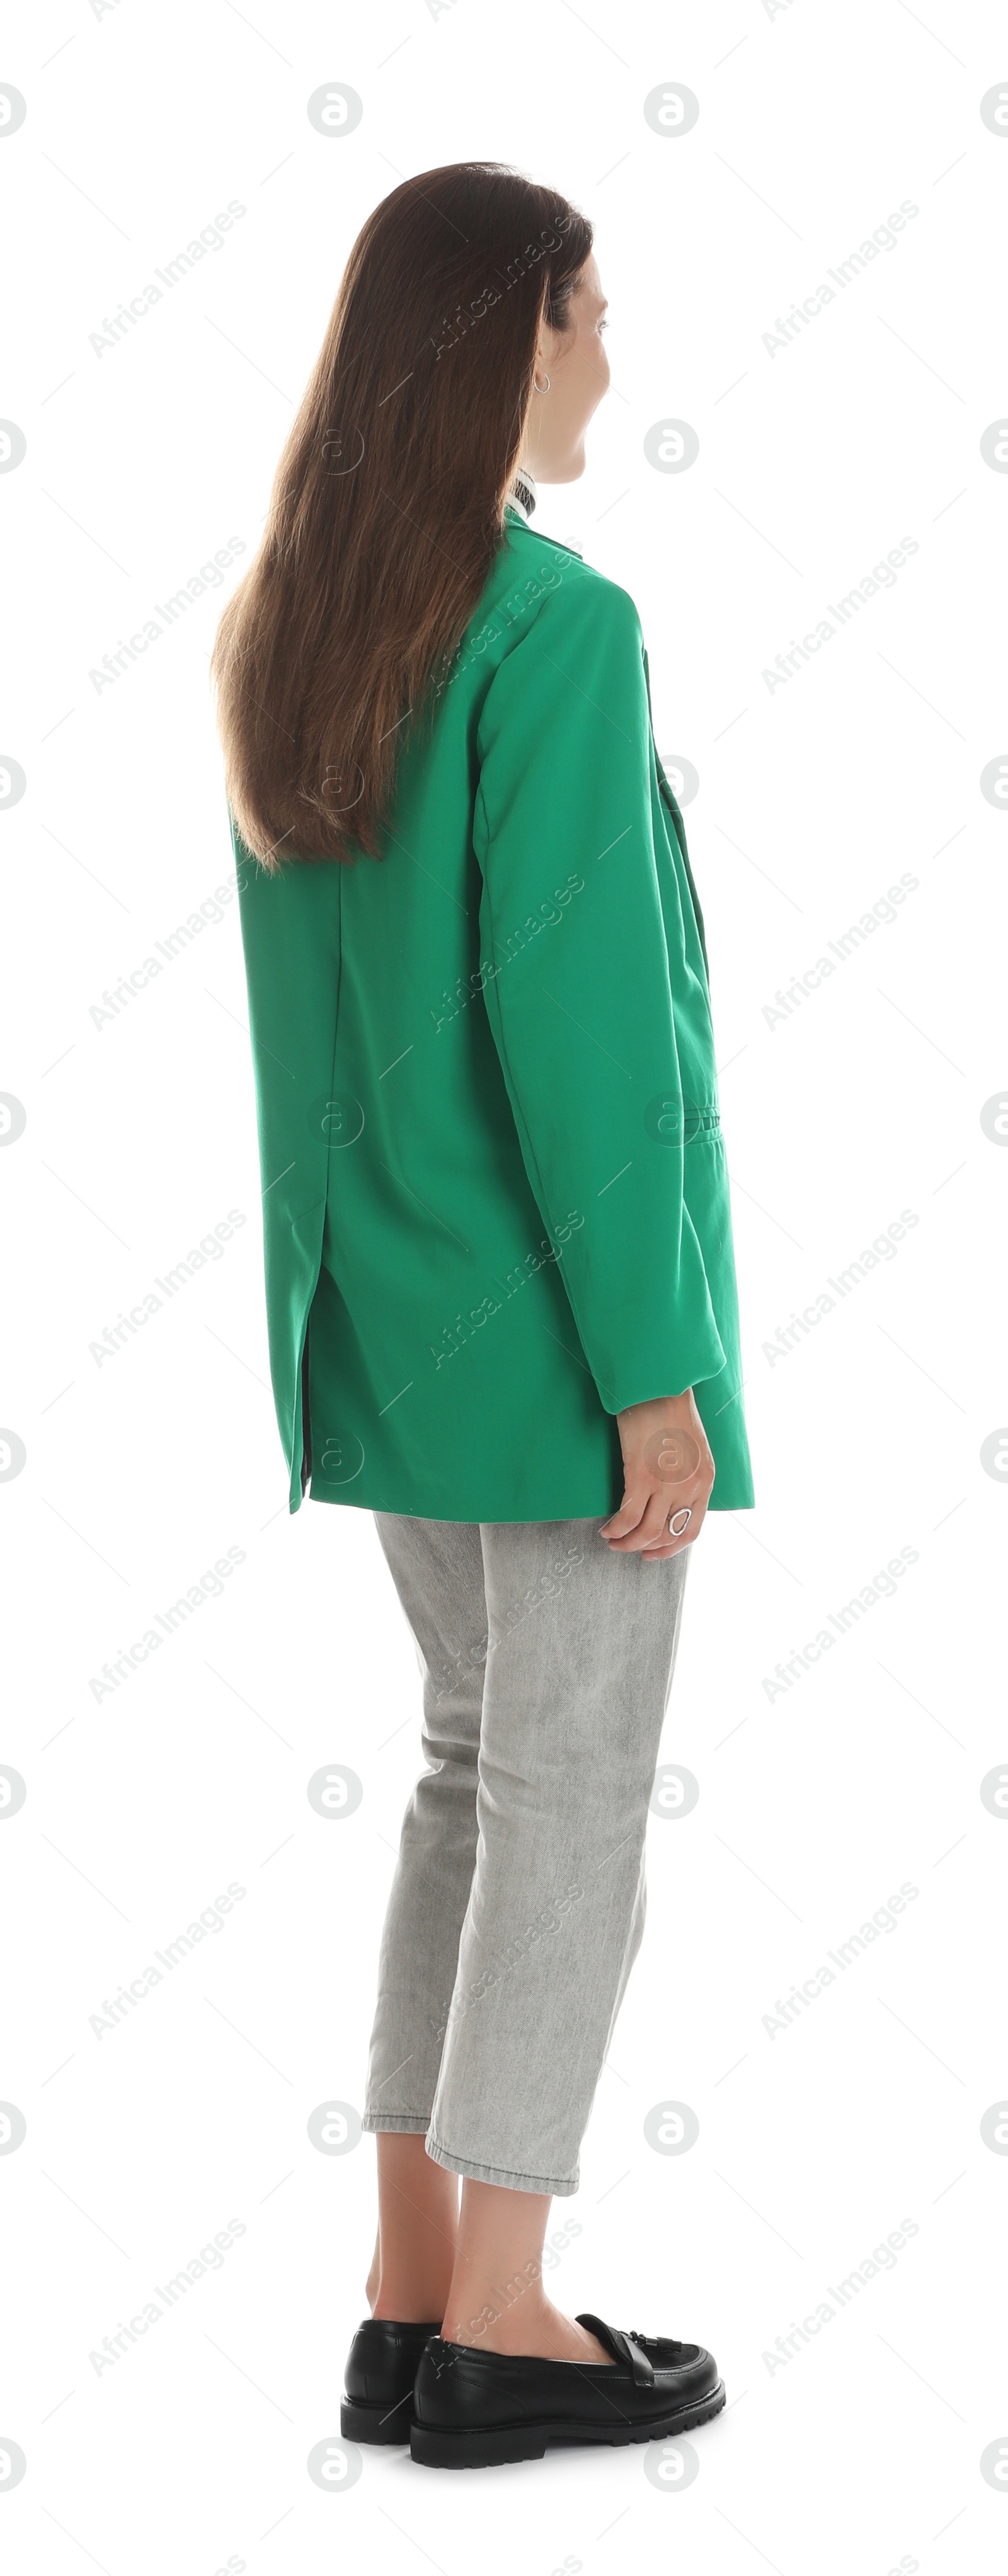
[[495, 1197]]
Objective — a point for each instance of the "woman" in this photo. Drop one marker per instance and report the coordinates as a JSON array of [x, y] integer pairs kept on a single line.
[[499, 1269]]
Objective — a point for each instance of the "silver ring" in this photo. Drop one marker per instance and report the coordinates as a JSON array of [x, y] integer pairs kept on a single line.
[[680, 1520]]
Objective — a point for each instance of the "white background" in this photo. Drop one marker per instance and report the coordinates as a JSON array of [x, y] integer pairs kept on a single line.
[[189, 2452]]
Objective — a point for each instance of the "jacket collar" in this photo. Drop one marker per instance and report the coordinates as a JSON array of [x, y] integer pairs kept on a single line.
[[523, 495]]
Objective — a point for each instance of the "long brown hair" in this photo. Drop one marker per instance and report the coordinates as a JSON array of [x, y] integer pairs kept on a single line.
[[387, 507]]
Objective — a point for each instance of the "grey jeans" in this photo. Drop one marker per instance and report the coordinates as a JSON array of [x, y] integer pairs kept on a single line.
[[517, 1904]]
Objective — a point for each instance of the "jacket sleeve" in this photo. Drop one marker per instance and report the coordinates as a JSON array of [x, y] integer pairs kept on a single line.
[[580, 987]]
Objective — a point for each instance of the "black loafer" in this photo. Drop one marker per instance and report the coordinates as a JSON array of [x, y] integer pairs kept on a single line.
[[472, 2409], [380, 2371]]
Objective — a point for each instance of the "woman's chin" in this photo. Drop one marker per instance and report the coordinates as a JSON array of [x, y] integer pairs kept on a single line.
[[569, 470]]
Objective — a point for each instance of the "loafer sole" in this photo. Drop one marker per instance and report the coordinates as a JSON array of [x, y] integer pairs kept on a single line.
[[373, 2420], [490, 2446]]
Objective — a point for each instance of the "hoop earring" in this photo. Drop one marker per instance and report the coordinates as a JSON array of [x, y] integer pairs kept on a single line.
[[541, 389]]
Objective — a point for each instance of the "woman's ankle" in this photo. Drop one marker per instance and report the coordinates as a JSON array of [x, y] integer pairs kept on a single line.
[[374, 2276], [418, 2228], [524, 2327], [501, 2323], [410, 2302]]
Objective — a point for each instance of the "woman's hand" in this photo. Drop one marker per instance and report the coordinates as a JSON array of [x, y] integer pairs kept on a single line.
[[667, 1466]]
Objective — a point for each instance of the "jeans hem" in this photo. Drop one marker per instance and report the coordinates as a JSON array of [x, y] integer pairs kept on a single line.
[[402, 2120], [558, 2187]]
